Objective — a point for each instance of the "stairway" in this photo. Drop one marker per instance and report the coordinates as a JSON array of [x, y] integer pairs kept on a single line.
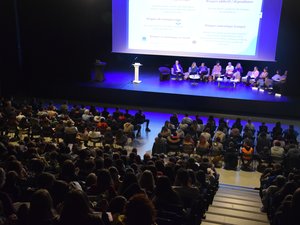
[[234, 205]]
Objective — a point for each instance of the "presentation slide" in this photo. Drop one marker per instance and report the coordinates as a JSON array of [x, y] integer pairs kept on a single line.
[[236, 29]]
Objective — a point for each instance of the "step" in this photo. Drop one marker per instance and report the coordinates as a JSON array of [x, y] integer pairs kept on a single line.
[[240, 197], [209, 223], [238, 214], [228, 220], [240, 188], [237, 201], [237, 207], [237, 192]]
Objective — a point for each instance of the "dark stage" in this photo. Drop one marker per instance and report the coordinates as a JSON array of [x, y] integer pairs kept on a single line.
[[117, 88]]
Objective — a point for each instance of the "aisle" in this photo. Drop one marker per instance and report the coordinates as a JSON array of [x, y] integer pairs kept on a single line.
[[235, 205]]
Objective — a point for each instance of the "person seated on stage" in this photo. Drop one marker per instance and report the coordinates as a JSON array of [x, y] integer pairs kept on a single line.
[[193, 70], [178, 70], [217, 71], [277, 76], [261, 79], [237, 72], [140, 118], [203, 71], [229, 71], [250, 77], [278, 81]]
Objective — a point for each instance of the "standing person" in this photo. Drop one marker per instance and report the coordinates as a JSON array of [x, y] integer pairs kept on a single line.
[[178, 70], [140, 118], [217, 71]]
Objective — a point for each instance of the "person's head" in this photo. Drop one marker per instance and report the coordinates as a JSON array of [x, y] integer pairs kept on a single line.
[[266, 69], [296, 201], [238, 65], [194, 64], [182, 177], [280, 181], [68, 170], [291, 127], [58, 192], [139, 210], [176, 62], [117, 204], [255, 68], [147, 180], [37, 165], [91, 179], [202, 64], [104, 180], [163, 186], [2, 177], [45, 180], [76, 207], [229, 63], [129, 179], [277, 143], [218, 63], [41, 205]]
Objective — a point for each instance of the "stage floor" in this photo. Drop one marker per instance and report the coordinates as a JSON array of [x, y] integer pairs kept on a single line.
[[122, 80]]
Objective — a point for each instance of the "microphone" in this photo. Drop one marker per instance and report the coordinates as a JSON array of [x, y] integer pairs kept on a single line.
[[134, 60]]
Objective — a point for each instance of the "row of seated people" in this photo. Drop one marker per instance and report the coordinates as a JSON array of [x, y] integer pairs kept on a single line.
[[76, 185], [58, 183], [77, 123], [280, 194], [264, 80], [203, 72], [224, 143], [254, 77]]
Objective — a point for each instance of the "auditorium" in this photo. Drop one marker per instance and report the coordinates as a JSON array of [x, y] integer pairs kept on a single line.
[[103, 102]]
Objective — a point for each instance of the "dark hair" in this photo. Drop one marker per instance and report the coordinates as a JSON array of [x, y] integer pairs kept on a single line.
[[182, 177], [139, 210], [41, 205], [117, 204], [76, 208]]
